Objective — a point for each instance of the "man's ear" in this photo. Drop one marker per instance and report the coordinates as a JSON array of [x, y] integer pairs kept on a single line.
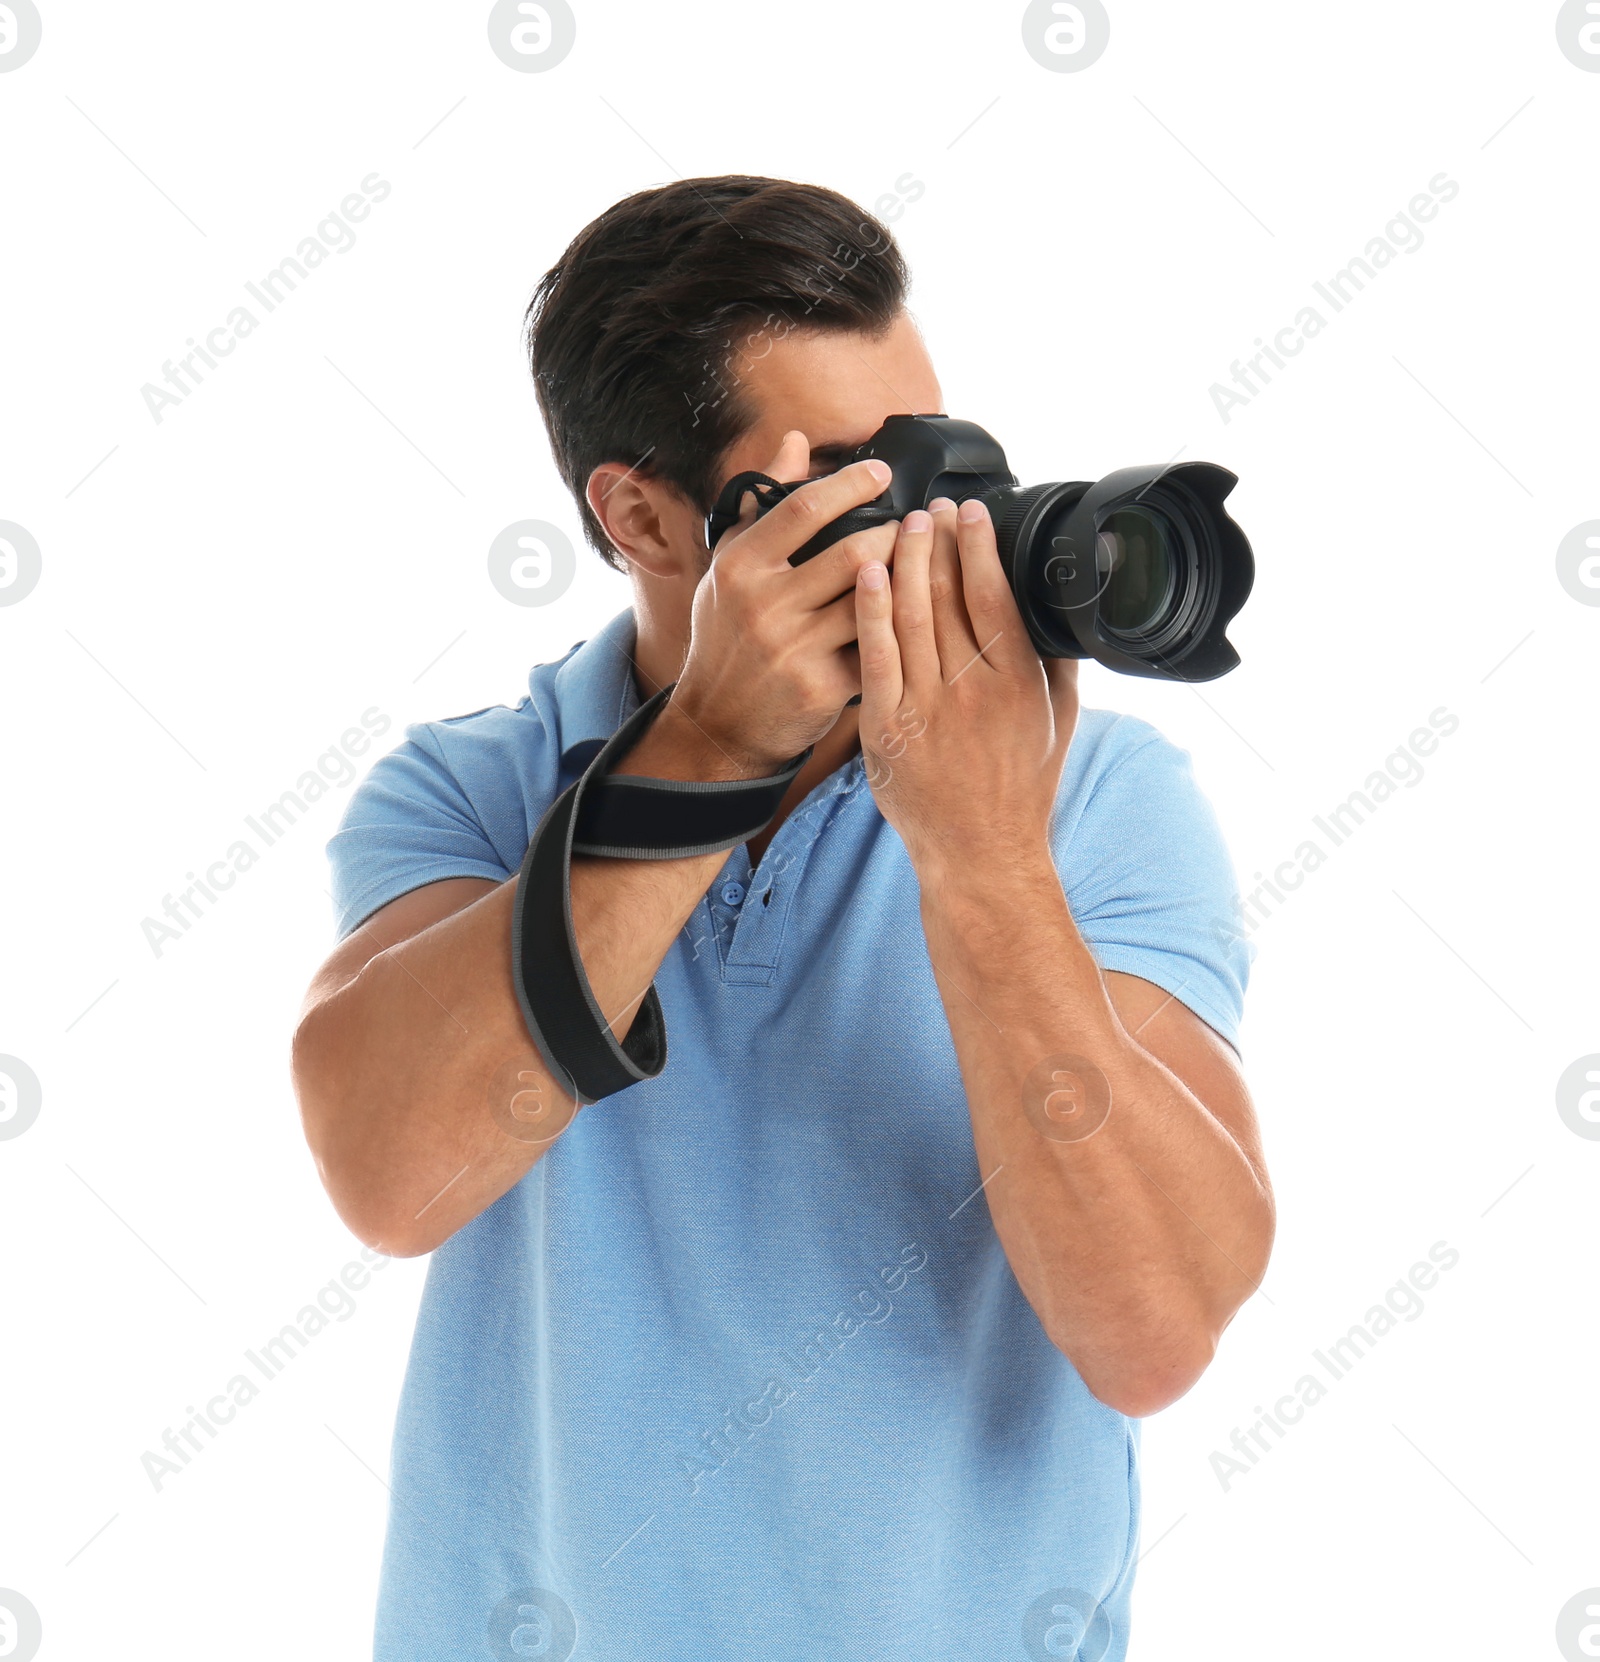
[[646, 520]]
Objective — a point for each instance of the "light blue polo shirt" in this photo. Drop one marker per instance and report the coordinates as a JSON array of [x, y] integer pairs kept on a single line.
[[739, 1371]]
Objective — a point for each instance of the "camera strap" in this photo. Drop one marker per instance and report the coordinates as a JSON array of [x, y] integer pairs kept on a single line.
[[623, 817], [768, 493]]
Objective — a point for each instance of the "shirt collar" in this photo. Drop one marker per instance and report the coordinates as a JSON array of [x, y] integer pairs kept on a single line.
[[595, 691]]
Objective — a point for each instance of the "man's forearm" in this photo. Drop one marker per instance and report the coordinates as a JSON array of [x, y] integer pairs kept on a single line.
[[424, 1097], [1134, 1223]]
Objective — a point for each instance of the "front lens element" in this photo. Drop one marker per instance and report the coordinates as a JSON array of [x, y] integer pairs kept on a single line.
[[1136, 551]]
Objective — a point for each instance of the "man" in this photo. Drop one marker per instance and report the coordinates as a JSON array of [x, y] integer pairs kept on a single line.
[[833, 1338]]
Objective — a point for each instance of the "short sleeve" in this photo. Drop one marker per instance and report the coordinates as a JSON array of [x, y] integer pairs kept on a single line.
[[1149, 880], [408, 823]]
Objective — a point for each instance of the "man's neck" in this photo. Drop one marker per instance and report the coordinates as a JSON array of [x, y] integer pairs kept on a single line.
[[831, 751]]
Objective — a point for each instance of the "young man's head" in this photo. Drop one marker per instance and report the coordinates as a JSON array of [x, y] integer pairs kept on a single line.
[[690, 328]]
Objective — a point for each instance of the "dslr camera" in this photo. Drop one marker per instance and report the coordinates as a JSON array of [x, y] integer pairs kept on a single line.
[[1142, 571]]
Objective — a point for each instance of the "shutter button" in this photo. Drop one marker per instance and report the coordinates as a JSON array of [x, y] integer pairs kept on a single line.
[[732, 893]]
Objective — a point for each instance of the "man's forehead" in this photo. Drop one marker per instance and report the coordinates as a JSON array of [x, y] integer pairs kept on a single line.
[[837, 387]]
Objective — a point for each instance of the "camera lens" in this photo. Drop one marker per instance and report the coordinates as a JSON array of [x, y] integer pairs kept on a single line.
[[1136, 555], [1141, 571]]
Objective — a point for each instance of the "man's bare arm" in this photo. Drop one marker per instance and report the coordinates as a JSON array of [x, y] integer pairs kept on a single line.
[[412, 1041], [411, 1058], [1139, 1219], [1117, 1143]]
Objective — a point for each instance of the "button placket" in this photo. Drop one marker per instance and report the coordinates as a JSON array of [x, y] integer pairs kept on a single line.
[[752, 954], [711, 925]]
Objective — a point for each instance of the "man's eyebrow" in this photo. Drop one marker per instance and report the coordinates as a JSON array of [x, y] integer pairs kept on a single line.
[[830, 452]]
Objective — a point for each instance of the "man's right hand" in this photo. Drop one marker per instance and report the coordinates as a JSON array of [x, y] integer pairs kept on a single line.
[[772, 655]]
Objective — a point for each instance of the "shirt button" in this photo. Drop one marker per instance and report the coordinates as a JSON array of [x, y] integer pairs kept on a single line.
[[732, 893]]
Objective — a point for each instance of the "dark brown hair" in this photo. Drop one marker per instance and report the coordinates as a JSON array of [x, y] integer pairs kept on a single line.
[[633, 335]]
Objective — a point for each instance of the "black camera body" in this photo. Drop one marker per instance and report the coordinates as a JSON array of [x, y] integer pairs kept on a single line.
[[1142, 571]]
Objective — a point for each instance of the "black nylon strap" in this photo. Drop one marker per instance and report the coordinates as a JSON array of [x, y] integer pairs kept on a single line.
[[630, 816], [623, 816], [769, 493]]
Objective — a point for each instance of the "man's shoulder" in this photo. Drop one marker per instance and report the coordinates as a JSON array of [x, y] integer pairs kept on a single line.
[[480, 748], [1106, 741], [493, 724], [575, 700], [457, 797], [1126, 780], [517, 737]]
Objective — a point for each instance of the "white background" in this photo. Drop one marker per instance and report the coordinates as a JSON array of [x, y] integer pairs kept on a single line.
[[304, 538]]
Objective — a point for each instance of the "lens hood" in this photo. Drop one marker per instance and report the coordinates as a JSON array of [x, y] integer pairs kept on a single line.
[[1059, 562]]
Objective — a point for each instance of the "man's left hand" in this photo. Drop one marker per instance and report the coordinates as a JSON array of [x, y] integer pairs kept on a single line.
[[964, 729]]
